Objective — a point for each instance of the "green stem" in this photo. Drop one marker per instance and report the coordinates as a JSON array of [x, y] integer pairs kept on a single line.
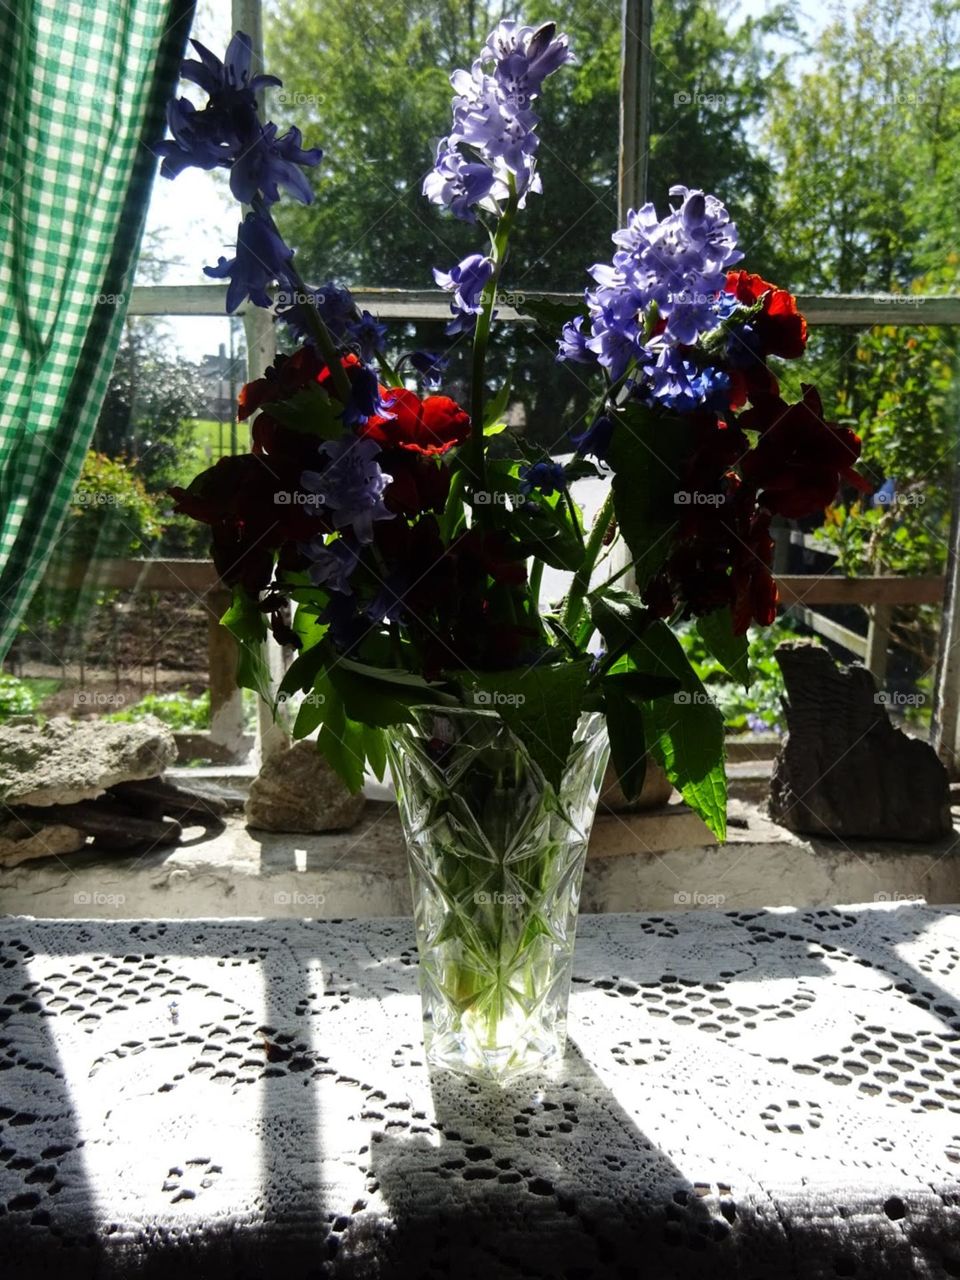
[[581, 579], [319, 331], [536, 574], [475, 453]]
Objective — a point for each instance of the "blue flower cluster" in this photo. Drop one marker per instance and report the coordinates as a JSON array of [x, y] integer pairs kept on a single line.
[[492, 118], [660, 295], [229, 134]]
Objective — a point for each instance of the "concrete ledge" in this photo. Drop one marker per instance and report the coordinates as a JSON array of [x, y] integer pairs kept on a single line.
[[637, 863]]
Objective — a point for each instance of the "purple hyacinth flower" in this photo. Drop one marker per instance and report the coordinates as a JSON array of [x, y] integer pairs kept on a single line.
[[228, 125], [456, 183], [466, 282], [273, 162], [334, 303], [428, 364], [524, 57], [369, 335], [351, 485], [678, 384], [546, 476], [261, 258], [364, 399], [233, 73], [332, 563], [573, 342], [594, 440], [346, 625]]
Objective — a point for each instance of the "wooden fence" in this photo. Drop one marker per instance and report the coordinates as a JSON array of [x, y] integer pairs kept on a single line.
[[198, 578]]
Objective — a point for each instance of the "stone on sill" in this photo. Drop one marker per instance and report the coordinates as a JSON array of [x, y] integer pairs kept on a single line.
[[22, 841], [66, 761], [844, 771], [297, 791]]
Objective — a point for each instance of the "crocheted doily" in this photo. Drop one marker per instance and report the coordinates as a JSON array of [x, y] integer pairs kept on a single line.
[[761, 1094]]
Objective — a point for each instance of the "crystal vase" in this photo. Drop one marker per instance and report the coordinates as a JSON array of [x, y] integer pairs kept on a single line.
[[496, 863]]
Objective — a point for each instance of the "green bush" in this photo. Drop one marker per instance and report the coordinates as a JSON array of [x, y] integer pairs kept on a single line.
[[178, 710], [17, 698], [756, 710]]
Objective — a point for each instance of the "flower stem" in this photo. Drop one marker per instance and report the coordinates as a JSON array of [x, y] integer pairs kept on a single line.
[[581, 579], [476, 445], [319, 330]]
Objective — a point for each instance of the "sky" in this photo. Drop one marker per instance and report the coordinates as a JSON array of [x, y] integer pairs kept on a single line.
[[192, 221]]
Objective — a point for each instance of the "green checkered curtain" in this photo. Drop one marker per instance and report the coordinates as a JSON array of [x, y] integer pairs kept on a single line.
[[83, 89]]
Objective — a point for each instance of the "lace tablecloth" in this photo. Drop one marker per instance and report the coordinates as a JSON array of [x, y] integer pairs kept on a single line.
[[754, 1094]]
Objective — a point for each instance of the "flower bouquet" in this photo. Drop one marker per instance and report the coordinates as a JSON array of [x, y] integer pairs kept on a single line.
[[397, 540]]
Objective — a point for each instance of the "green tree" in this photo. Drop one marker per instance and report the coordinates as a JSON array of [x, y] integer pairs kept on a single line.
[[374, 92], [866, 143]]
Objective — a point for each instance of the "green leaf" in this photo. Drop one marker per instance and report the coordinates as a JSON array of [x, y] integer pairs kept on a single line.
[[341, 743], [685, 731], [310, 411], [640, 684], [541, 705], [549, 315], [496, 408], [496, 429], [313, 711], [245, 621], [551, 529], [304, 670], [628, 749], [621, 617], [369, 702], [731, 651], [646, 450], [375, 745]]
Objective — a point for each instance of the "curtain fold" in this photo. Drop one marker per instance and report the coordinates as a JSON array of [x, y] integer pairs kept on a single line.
[[83, 91]]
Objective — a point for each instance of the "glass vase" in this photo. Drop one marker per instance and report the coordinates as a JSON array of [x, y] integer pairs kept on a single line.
[[496, 862]]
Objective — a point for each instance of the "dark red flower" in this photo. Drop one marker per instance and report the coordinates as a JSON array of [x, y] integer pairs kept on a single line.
[[800, 460], [430, 426], [418, 483], [282, 380], [251, 512], [780, 329]]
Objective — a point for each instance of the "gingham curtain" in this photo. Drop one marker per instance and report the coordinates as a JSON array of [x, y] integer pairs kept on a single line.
[[83, 87]]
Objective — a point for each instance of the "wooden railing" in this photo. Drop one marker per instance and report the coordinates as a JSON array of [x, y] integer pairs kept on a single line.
[[198, 578]]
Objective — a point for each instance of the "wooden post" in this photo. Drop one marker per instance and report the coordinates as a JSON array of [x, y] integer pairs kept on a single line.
[[273, 735], [226, 700], [636, 85], [945, 723], [878, 642]]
